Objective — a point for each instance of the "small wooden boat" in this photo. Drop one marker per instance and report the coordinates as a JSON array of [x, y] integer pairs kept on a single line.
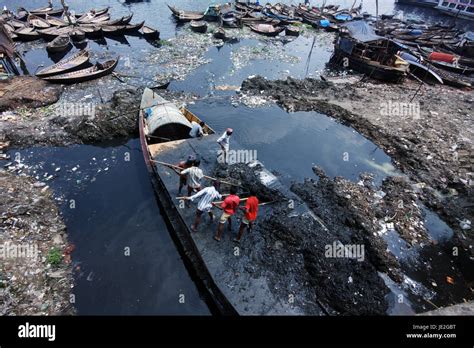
[[59, 44], [292, 30], [198, 26], [266, 29], [26, 34], [453, 65], [38, 22], [53, 32], [91, 30], [420, 70], [77, 35], [92, 18], [111, 30], [186, 16], [15, 23], [21, 14], [220, 34], [94, 12], [48, 10], [71, 63], [150, 33], [131, 28], [56, 22], [94, 72]]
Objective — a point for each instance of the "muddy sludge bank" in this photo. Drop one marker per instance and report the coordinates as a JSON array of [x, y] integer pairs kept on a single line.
[[291, 248], [35, 270], [81, 122], [434, 147]]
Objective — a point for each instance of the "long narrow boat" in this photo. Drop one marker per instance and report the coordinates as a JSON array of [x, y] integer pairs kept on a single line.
[[27, 34], [94, 12], [130, 28], [266, 29], [38, 22], [16, 23], [92, 73], [71, 63], [199, 26], [59, 44], [186, 16], [226, 282], [174, 124], [150, 33], [110, 30], [54, 21]]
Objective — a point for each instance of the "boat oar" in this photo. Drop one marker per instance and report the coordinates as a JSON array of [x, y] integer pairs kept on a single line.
[[205, 176]]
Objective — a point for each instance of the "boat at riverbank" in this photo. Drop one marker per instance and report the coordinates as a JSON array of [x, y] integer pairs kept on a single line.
[[359, 48], [164, 137], [423, 3]]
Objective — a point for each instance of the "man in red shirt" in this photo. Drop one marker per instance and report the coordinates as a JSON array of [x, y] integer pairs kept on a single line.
[[251, 210], [229, 207]]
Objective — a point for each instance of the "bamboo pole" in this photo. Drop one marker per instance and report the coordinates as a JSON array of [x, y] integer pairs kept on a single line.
[[205, 176]]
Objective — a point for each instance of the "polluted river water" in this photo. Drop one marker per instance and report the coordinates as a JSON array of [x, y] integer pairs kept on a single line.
[[104, 191]]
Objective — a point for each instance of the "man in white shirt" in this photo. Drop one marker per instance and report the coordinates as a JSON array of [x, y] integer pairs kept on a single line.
[[223, 141], [194, 175], [207, 195], [196, 129]]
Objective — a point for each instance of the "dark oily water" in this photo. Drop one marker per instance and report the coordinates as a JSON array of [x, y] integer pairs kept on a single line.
[[125, 261], [290, 143]]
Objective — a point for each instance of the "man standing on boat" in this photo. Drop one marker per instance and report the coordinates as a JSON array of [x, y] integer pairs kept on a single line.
[[251, 210], [207, 195], [229, 207], [194, 175], [183, 165], [223, 141], [196, 129]]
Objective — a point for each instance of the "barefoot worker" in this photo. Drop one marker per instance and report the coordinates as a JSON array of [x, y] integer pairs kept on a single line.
[[183, 165], [194, 175], [196, 129], [251, 210], [207, 195], [229, 207], [223, 141]]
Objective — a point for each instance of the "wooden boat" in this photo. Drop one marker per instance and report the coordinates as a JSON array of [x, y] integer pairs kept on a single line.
[[38, 22], [453, 66], [266, 29], [92, 73], [48, 10], [359, 48], [21, 14], [77, 35], [130, 28], [56, 22], [59, 44], [186, 16], [53, 32], [94, 12], [91, 30], [15, 23], [292, 30], [150, 33], [95, 19], [110, 30], [420, 70], [199, 26], [220, 34], [76, 61], [121, 21], [26, 34]]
